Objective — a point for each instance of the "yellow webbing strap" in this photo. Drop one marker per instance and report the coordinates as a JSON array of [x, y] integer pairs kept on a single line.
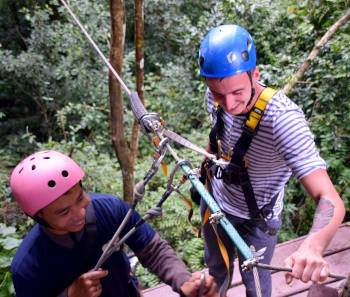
[[156, 143], [224, 254], [206, 216], [259, 107], [222, 248], [219, 148], [190, 214], [223, 251]]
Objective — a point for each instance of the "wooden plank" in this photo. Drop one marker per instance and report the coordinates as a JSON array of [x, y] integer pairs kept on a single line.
[[337, 255], [160, 291], [340, 242], [339, 263]]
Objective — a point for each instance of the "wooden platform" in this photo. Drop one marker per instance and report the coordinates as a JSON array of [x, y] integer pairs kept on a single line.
[[337, 255]]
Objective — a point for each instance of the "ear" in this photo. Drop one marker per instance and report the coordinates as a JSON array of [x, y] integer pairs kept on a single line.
[[256, 74]]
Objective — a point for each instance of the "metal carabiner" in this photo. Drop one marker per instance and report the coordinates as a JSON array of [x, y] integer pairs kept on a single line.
[[201, 287]]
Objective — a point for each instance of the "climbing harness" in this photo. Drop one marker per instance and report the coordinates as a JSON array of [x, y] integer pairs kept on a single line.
[[152, 123], [236, 172]]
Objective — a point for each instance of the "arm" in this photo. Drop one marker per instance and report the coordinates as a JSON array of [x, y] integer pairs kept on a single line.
[[307, 262], [162, 260]]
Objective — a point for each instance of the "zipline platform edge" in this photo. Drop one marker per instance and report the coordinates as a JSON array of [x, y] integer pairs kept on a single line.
[[337, 255]]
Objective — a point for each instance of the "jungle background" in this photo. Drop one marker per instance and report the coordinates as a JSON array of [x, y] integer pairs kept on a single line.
[[54, 95]]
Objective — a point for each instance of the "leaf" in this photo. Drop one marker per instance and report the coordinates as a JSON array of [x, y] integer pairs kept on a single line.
[[5, 261], [4, 230], [10, 243]]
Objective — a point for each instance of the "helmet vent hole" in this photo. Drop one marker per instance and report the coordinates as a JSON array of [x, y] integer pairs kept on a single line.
[[33, 167], [245, 55], [31, 159], [46, 157], [51, 183], [21, 170], [201, 61], [64, 173]]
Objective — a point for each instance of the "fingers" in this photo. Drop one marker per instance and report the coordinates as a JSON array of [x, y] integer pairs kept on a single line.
[[209, 286], [95, 275], [93, 281], [192, 287], [87, 285], [324, 273], [96, 290], [288, 275], [305, 269]]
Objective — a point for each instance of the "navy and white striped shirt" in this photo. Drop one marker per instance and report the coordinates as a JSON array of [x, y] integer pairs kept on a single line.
[[283, 145]]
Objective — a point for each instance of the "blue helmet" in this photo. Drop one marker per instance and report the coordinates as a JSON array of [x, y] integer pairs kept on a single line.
[[226, 50]]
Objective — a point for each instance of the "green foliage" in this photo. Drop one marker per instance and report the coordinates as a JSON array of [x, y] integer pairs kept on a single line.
[[41, 78], [54, 95], [9, 242], [165, 96], [173, 225]]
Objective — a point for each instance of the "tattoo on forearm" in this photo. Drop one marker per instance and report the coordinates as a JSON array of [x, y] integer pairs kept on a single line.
[[323, 215]]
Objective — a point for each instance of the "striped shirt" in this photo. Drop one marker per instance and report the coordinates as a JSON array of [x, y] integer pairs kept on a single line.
[[284, 145]]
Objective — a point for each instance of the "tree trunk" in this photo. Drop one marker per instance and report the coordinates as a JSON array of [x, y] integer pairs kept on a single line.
[[139, 55], [117, 13]]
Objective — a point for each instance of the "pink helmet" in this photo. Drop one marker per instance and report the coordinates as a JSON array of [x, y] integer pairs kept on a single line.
[[43, 177]]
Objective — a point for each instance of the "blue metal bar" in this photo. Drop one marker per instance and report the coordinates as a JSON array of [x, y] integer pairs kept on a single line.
[[214, 207]]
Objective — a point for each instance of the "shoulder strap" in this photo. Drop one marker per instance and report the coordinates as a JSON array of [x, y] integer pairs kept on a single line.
[[251, 126], [90, 231], [236, 172], [258, 109], [217, 131]]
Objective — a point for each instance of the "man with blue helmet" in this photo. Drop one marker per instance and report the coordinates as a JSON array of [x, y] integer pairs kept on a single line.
[[264, 138]]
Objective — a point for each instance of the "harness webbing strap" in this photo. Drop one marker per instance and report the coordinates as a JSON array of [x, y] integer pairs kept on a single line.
[[259, 107], [91, 232], [236, 172], [190, 214], [217, 131], [224, 287], [226, 284], [156, 142], [241, 148]]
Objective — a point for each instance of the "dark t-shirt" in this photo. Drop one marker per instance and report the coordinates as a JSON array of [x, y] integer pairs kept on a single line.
[[43, 268]]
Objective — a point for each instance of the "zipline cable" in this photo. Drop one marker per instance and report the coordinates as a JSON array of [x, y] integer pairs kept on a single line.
[[96, 48]]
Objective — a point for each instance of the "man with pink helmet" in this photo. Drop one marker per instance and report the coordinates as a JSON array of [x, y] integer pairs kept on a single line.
[[57, 255]]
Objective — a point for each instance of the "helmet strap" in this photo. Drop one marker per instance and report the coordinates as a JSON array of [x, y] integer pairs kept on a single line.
[[252, 89]]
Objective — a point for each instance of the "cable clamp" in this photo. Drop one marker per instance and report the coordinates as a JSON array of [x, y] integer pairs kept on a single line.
[[249, 264], [215, 217]]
